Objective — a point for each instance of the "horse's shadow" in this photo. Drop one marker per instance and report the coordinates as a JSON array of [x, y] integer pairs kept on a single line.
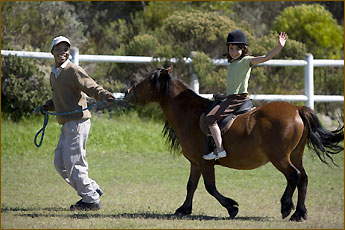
[[52, 212]]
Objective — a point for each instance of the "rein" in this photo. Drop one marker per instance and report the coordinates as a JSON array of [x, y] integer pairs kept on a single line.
[[47, 113]]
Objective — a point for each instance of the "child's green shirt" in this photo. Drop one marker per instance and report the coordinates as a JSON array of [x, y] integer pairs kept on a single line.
[[237, 77]]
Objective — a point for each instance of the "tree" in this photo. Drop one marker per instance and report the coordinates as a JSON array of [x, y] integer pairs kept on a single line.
[[33, 25], [314, 26], [98, 17]]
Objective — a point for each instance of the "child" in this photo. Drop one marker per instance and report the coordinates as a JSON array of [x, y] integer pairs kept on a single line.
[[238, 74]]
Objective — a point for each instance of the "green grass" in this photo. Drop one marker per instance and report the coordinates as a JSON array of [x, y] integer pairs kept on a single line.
[[144, 183]]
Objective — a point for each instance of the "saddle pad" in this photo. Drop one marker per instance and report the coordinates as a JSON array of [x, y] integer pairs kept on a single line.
[[226, 123]]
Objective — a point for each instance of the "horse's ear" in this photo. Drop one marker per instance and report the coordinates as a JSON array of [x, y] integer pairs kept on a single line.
[[166, 74], [170, 69]]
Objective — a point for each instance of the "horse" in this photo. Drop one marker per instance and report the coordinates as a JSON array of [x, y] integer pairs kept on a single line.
[[275, 132]]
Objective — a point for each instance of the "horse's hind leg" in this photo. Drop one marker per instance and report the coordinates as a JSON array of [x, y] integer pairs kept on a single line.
[[292, 175], [297, 158], [194, 176], [210, 184], [301, 210]]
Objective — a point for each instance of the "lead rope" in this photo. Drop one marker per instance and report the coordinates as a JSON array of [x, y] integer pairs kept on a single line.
[[47, 113]]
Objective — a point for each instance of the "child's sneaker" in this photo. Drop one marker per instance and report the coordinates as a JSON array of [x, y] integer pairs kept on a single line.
[[213, 156]]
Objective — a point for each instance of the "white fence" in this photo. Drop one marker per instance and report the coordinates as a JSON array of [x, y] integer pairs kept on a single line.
[[309, 63]]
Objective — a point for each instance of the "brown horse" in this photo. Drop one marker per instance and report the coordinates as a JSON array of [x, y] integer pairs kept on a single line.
[[276, 132]]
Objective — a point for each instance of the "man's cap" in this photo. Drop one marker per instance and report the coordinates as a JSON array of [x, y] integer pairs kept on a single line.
[[58, 40]]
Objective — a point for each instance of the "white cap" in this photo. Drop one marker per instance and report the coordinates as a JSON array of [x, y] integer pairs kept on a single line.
[[59, 39]]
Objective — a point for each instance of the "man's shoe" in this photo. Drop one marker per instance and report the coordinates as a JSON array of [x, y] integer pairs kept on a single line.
[[80, 205], [99, 191], [213, 156]]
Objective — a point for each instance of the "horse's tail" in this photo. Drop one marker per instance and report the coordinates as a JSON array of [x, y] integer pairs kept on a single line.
[[323, 142]]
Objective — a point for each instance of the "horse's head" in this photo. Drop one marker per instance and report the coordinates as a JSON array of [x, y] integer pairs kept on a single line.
[[154, 88]]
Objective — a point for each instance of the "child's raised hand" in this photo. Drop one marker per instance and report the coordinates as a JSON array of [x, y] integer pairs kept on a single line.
[[282, 39]]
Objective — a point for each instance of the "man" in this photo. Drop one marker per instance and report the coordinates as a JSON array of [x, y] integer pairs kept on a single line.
[[69, 84]]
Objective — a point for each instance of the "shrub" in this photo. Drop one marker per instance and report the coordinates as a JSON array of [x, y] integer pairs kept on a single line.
[[23, 87], [314, 26], [143, 45]]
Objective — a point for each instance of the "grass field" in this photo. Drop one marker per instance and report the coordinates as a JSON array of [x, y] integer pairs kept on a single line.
[[144, 183]]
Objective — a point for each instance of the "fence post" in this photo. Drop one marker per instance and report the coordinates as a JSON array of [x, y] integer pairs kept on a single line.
[[194, 83], [75, 55], [309, 80]]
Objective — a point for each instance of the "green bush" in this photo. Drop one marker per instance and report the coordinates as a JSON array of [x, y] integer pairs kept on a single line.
[[314, 26], [23, 87], [143, 45]]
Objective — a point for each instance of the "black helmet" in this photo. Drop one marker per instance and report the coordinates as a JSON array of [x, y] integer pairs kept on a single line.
[[236, 37]]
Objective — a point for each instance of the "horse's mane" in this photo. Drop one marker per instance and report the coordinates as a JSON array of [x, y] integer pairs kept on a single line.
[[171, 138], [161, 88], [162, 84]]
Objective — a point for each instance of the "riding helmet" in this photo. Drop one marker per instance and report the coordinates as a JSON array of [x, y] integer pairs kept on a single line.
[[236, 37]]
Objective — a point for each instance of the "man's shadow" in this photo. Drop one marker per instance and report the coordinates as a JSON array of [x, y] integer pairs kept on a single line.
[[34, 212]]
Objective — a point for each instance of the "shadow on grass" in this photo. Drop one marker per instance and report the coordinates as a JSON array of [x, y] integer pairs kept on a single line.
[[32, 213], [9, 209]]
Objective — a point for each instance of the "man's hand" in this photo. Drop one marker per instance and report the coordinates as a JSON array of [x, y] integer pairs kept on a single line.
[[110, 98], [43, 109]]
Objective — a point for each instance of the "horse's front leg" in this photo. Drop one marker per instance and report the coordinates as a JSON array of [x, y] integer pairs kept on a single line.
[[210, 184], [194, 176]]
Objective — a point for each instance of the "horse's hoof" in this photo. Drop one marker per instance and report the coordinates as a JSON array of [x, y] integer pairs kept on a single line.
[[233, 212], [183, 212], [299, 216], [286, 213], [286, 210], [296, 218]]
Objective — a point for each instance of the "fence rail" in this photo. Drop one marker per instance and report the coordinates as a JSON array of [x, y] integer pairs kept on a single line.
[[309, 63]]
